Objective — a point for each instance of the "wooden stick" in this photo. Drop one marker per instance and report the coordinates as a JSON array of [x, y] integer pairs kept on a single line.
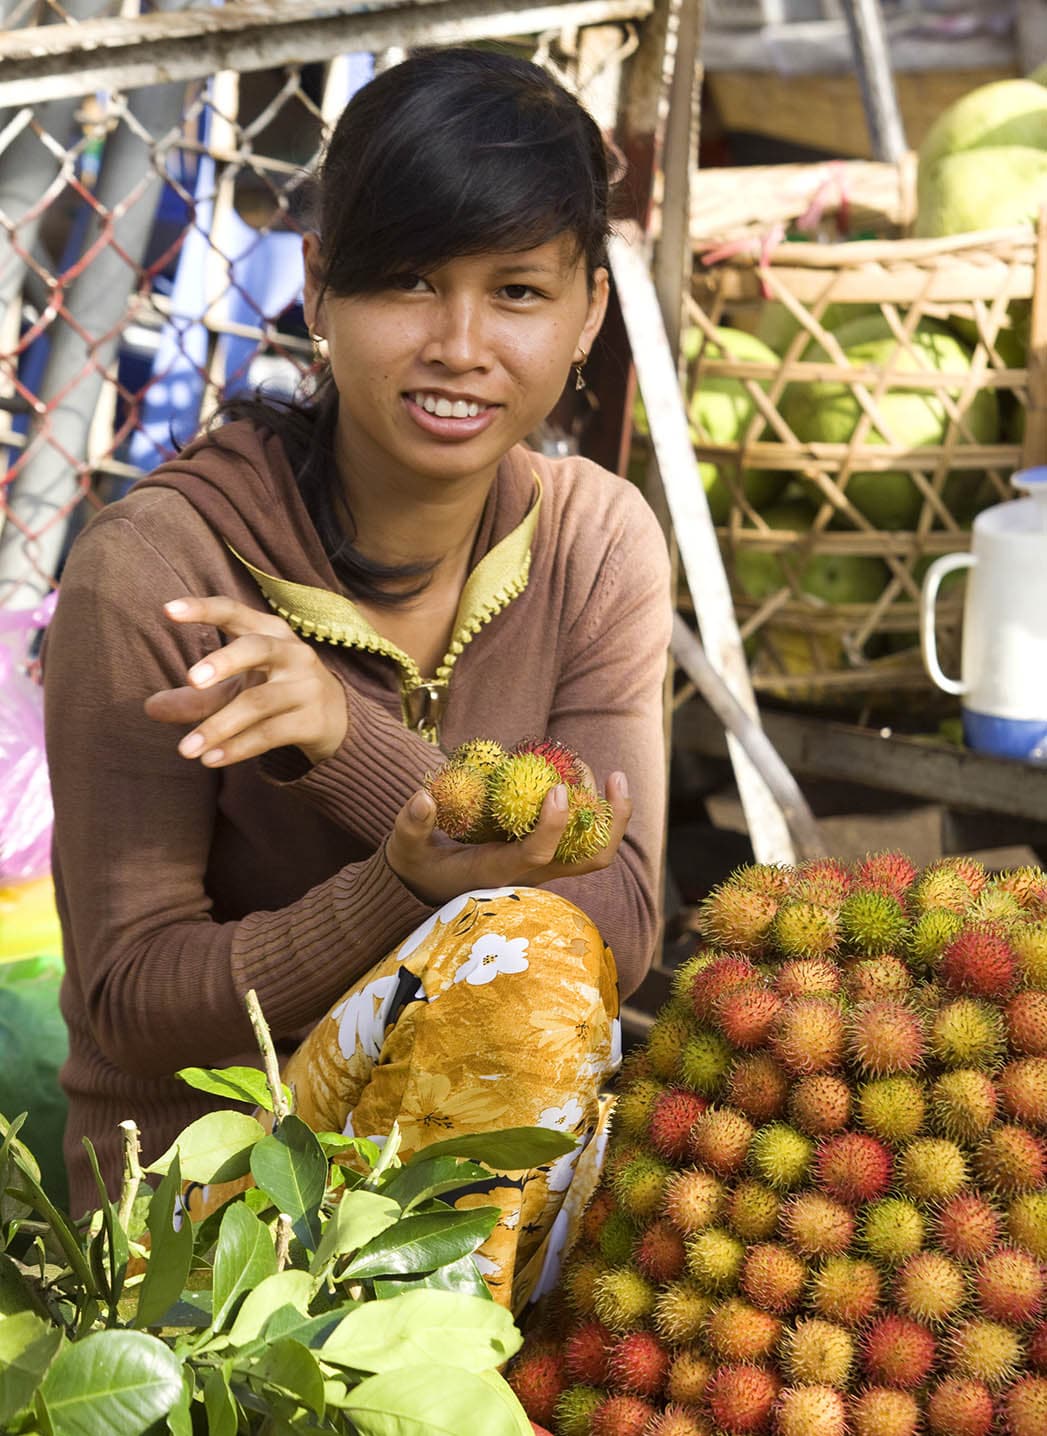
[[268, 1051], [132, 1171]]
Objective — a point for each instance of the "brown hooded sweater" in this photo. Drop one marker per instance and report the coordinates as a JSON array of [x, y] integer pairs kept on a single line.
[[180, 888]]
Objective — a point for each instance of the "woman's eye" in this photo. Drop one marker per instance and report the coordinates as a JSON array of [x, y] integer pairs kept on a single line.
[[519, 291], [407, 283]]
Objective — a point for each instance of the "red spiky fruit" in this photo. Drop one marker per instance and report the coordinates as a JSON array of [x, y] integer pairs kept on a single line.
[[1026, 1016], [1037, 1349], [824, 875], [757, 1086], [874, 979], [621, 1416], [711, 983], [775, 879], [886, 1037], [596, 1214], [820, 1105], [969, 871], [720, 1140], [1011, 1160], [1025, 1407], [808, 977], [958, 1407], [898, 1352], [846, 1290], [741, 1398], [585, 1353], [736, 1331], [816, 1226], [638, 1364], [980, 962], [737, 918], [693, 1200], [808, 1036], [538, 1377], [810, 1411], [884, 1411], [566, 762], [673, 1115], [1010, 1286], [659, 1253], [746, 1014], [1023, 1089], [853, 1167], [968, 1227], [887, 872], [1027, 884], [773, 1277]]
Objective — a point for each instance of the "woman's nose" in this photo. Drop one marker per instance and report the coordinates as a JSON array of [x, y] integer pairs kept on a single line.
[[458, 338]]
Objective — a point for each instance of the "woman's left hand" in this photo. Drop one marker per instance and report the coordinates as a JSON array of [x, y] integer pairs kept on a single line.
[[266, 689]]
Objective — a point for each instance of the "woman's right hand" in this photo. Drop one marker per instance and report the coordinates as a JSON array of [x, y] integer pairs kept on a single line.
[[437, 869]]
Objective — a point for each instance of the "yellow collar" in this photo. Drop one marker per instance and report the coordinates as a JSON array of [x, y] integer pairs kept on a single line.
[[499, 577]]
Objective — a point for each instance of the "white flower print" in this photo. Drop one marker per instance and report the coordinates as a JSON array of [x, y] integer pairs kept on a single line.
[[490, 955], [561, 1173], [486, 1266], [446, 914], [563, 1119], [362, 1017]]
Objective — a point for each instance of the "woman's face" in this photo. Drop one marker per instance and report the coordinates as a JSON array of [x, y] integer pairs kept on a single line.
[[438, 375]]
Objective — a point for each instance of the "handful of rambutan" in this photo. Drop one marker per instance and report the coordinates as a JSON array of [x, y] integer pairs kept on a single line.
[[824, 1209], [484, 794]]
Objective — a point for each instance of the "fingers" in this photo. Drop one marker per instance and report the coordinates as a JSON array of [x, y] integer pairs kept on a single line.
[[243, 655], [257, 719], [229, 615], [189, 705], [538, 848]]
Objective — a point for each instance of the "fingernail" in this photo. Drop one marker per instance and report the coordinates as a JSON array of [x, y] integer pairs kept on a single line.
[[215, 756], [177, 605], [202, 673], [419, 807], [191, 745], [623, 784], [560, 797]]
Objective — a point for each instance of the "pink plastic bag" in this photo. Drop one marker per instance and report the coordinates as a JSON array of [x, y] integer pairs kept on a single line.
[[26, 814]]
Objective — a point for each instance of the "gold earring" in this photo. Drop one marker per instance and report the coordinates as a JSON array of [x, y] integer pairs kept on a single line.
[[319, 348], [579, 377]]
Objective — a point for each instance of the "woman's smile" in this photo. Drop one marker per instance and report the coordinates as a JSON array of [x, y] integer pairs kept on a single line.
[[448, 418]]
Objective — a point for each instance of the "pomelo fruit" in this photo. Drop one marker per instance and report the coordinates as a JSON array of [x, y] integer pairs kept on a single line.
[[1004, 112], [995, 188], [777, 327], [832, 577]]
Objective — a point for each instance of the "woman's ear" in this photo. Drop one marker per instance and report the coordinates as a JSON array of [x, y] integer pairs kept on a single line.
[[599, 293], [312, 288]]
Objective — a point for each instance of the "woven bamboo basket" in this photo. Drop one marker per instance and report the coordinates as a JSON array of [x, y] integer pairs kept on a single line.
[[803, 646]]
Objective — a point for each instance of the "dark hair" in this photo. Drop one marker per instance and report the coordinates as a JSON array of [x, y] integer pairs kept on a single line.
[[452, 152]]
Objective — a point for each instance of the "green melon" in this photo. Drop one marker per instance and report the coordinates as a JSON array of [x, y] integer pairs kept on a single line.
[[1004, 112], [777, 327], [831, 577], [982, 189]]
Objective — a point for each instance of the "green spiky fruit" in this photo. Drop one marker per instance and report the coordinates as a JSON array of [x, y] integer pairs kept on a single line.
[[956, 1407], [670, 1032], [623, 1299], [705, 1062], [590, 819], [684, 975], [1023, 1091], [898, 1352], [808, 977], [568, 765], [581, 1273], [883, 1411], [775, 879], [773, 1277], [808, 1036], [757, 1086], [963, 1104], [969, 870], [634, 1105], [1030, 946], [482, 754], [892, 1108], [690, 1372], [931, 934], [815, 1350], [967, 1033], [752, 1211], [873, 922], [1026, 1017], [640, 1187], [810, 1411], [885, 1038], [739, 918], [968, 1226], [846, 1290], [516, 790], [781, 1156], [737, 1331], [985, 1351], [873, 978], [714, 1259], [940, 890], [932, 1169], [460, 795], [742, 1397], [1027, 885], [893, 1230], [1027, 1223], [680, 1312], [1010, 1286], [931, 1287], [617, 1235], [820, 1105], [574, 1409], [693, 1200], [805, 929], [720, 1140], [1011, 1160]]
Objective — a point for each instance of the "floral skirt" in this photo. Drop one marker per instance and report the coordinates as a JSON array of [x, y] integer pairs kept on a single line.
[[501, 1010]]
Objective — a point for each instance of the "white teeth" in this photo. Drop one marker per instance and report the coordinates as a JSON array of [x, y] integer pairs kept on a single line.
[[460, 409], [447, 408], [444, 408]]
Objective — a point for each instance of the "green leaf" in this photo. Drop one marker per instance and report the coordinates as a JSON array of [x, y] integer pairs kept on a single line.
[[516, 1149], [287, 1365], [237, 1084], [435, 1401], [214, 1148], [283, 1288], [179, 1418], [243, 1259], [116, 1253], [388, 1156], [27, 1348], [311, 1331], [417, 1181], [461, 1276], [420, 1327], [291, 1168], [170, 1252], [112, 1381], [219, 1405], [357, 1218], [336, 1144], [422, 1243], [15, 1292]]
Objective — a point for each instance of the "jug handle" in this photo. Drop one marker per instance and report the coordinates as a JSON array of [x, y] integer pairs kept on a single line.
[[928, 598]]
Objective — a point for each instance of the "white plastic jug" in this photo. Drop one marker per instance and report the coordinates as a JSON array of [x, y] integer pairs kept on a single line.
[[1004, 650]]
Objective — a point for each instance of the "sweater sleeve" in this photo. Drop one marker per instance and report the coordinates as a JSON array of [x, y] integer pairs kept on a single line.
[[608, 707], [163, 981]]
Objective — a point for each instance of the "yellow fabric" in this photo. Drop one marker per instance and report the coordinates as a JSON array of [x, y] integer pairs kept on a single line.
[[29, 924]]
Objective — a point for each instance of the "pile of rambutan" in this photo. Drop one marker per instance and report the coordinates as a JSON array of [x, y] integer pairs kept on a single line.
[[824, 1208], [485, 794]]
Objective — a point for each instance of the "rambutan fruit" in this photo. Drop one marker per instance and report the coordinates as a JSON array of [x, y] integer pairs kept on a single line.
[[1023, 1089], [805, 929], [752, 1211], [887, 872], [516, 790], [1030, 946], [892, 1108], [810, 1411], [623, 1299], [680, 1311], [808, 977], [873, 979], [1026, 1018], [780, 1156], [1027, 1223], [979, 962], [720, 1140], [746, 1014], [893, 1230], [481, 754], [693, 1200], [596, 1213], [775, 879], [873, 922], [985, 1351], [711, 983], [1024, 1407], [590, 819], [569, 768], [1010, 1286], [964, 1103], [639, 1187], [885, 1038], [817, 1351], [820, 1105], [969, 870], [996, 906], [460, 795], [736, 1331], [1011, 1160], [621, 1415], [581, 1272], [853, 1167], [574, 1410], [670, 1032], [741, 1398], [968, 1227], [585, 1353], [1036, 1349], [1027, 884], [679, 1421], [537, 1377], [637, 1363], [690, 1372], [705, 1062], [714, 1259], [737, 917], [931, 934], [884, 1411], [816, 1226], [967, 1033], [898, 1351], [931, 1169], [673, 1114], [758, 1087], [659, 1253], [940, 890], [686, 971], [957, 1407], [616, 1238], [808, 1036], [773, 1277], [846, 1290], [931, 1287]]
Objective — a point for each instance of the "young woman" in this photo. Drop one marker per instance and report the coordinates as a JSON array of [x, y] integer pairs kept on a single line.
[[260, 653]]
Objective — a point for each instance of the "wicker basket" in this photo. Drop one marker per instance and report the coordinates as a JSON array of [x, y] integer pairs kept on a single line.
[[803, 647]]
